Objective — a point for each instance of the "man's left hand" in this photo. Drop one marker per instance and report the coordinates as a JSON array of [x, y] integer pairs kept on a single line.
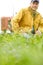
[[38, 32]]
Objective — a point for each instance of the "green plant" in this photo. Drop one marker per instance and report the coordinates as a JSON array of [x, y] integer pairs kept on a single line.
[[15, 49]]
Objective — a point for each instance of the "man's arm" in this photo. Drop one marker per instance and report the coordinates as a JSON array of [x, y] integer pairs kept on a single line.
[[41, 25], [15, 21]]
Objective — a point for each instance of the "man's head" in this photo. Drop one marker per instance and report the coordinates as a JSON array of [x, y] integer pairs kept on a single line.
[[34, 4]]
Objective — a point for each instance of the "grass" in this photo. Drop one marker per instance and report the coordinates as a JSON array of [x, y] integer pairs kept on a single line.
[[15, 49]]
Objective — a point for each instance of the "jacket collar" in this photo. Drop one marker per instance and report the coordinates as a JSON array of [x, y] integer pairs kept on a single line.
[[31, 11]]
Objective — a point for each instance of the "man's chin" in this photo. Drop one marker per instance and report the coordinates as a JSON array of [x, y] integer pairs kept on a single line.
[[34, 9]]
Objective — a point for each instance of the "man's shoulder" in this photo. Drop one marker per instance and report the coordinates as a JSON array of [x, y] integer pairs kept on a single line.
[[25, 9], [38, 13]]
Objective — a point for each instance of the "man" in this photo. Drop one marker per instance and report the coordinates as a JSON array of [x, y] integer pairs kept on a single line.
[[28, 19]]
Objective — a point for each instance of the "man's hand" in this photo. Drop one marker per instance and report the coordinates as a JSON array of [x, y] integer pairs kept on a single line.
[[38, 32]]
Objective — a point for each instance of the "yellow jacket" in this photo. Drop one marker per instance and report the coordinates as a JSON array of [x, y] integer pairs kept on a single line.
[[41, 25], [24, 20]]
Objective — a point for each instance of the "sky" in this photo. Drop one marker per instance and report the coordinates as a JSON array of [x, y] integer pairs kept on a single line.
[[10, 7]]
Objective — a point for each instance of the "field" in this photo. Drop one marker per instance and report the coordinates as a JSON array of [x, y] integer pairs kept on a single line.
[[15, 49]]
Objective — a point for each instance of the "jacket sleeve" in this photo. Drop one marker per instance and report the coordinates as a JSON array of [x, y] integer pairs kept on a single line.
[[15, 21], [41, 25]]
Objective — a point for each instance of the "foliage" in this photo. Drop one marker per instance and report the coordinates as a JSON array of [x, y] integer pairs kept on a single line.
[[15, 49]]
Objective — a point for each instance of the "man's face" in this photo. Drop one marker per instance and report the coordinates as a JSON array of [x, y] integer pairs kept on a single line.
[[34, 5]]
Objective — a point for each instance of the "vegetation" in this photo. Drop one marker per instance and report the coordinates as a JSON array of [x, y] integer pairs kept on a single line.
[[15, 49]]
